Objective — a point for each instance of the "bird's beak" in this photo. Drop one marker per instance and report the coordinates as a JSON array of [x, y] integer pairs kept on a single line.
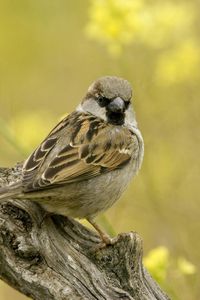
[[116, 105]]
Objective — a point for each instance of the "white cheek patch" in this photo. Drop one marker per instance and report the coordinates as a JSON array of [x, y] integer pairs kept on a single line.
[[130, 120], [91, 106]]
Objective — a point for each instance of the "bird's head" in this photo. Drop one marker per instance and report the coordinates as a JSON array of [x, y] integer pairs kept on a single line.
[[109, 98]]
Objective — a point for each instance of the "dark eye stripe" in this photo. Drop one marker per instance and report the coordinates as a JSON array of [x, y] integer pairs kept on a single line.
[[126, 103], [103, 101]]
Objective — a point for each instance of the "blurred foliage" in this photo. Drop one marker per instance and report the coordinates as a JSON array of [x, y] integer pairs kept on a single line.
[[186, 267], [50, 53], [185, 57], [157, 262], [30, 127], [118, 23], [10, 137], [162, 265]]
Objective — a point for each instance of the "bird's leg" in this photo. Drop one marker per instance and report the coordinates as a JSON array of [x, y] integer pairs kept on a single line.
[[106, 239]]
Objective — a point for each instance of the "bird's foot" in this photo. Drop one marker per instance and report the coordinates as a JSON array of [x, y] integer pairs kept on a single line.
[[106, 239]]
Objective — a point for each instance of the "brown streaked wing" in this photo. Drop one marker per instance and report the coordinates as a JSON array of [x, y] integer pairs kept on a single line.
[[35, 161], [95, 147], [91, 158]]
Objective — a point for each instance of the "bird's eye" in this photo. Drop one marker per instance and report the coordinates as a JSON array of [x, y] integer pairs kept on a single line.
[[126, 103], [103, 101]]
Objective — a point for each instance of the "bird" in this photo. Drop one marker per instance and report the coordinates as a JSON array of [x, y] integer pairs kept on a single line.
[[87, 161]]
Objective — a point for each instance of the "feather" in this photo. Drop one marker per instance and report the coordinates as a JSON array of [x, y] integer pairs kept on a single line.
[[79, 148]]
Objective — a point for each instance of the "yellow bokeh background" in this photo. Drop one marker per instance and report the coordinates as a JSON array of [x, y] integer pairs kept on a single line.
[[49, 54]]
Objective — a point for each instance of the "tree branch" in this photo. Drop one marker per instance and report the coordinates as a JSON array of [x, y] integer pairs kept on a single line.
[[54, 257]]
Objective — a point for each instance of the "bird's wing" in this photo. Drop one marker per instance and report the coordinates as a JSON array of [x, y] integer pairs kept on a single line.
[[78, 148]]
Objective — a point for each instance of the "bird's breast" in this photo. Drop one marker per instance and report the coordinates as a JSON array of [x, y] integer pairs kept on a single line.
[[91, 197]]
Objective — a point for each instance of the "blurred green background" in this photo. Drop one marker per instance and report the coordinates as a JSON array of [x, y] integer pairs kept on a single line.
[[50, 51]]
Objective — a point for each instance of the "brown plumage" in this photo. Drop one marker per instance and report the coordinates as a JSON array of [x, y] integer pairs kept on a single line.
[[85, 154], [87, 160]]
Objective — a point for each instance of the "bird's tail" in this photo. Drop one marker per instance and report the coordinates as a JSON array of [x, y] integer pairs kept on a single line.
[[10, 191]]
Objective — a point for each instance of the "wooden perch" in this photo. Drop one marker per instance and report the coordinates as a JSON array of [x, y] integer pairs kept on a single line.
[[54, 258]]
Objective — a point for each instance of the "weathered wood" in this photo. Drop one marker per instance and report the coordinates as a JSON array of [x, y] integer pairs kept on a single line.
[[54, 257]]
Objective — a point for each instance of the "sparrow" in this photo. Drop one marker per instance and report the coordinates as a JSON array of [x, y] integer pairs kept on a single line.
[[86, 162]]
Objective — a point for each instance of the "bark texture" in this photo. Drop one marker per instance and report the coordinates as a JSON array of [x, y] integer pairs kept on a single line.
[[56, 258]]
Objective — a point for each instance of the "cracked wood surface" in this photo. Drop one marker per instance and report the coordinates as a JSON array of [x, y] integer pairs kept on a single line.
[[55, 258]]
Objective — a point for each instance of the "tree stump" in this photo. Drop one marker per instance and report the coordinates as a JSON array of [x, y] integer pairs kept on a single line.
[[56, 258]]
